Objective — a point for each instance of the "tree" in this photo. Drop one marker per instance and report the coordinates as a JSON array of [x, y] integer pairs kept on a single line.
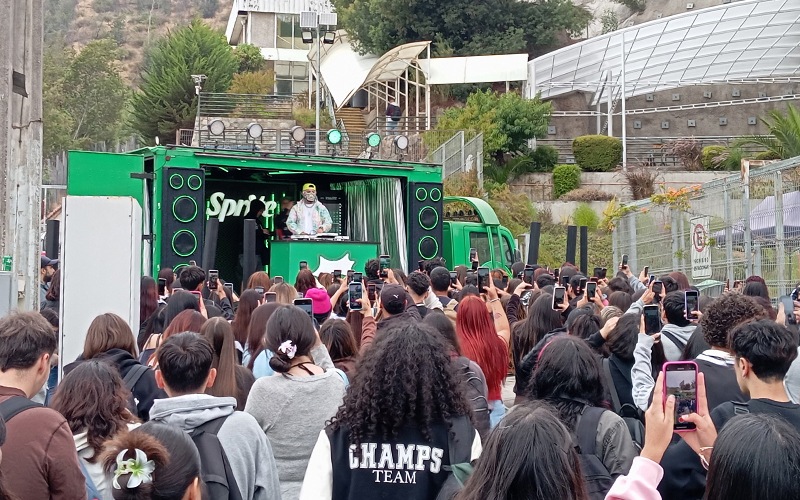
[[471, 27], [784, 133], [167, 100], [609, 21], [249, 57], [507, 121], [261, 82]]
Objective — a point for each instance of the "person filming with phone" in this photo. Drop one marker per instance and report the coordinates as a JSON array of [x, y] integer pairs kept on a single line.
[[309, 216]]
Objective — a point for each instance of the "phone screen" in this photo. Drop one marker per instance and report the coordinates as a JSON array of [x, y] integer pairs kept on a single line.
[[646, 270], [277, 279], [680, 380], [371, 291], [558, 296], [598, 271], [453, 278], [505, 281], [584, 281], [306, 305], [527, 276], [692, 303], [229, 286], [271, 297], [591, 289], [337, 273], [162, 286], [355, 291], [303, 264], [483, 279], [555, 273], [473, 254], [565, 281], [475, 265], [625, 259], [213, 276], [788, 309], [657, 287], [358, 277], [384, 265], [350, 275], [603, 273], [421, 265], [259, 290], [652, 323]]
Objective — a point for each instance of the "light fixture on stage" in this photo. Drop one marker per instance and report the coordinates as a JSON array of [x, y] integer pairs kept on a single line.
[[216, 127], [329, 37], [334, 136], [374, 140], [401, 142], [255, 130], [307, 36], [298, 133]]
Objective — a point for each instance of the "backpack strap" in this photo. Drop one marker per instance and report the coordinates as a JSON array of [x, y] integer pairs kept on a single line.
[[212, 426], [586, 429], [459, 443], [133, 376], [740, 408], [675, 340], [15, 405], [612, 388]]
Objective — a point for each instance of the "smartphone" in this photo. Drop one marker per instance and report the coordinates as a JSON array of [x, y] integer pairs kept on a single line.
[[658, 286], [504, 279], [337, 273], [303, 265], [646, 270], [277, 279], [475, 265], [652, 278], [591, 289], [213, 276], [527, 275], [355, 291], [598, 271], [483, 279], [603, 273], [584, 282], [229, 286], [473, 254], [652, 323], [306, 305], [453, 278], [691, 303], [559, 293], [350, 274], [371, 291], [624, 259], [192, 262], [680, 380], [384, 266], [270, 297], [788, 309], [259, 290], [555, 273], [565, 281], [358, 277], [162, 286], [421, 265]]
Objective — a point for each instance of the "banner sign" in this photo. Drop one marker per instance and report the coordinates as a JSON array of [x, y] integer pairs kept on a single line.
[[701, 253]]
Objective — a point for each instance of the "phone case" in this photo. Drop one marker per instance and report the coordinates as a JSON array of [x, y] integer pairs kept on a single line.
[[664, 386]]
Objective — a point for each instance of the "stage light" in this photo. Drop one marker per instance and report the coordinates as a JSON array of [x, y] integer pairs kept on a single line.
[[401, 142], [298, 133], [374, 140], [307, 36], [255, 130], [334, 136], [329, 37], [216, 127]]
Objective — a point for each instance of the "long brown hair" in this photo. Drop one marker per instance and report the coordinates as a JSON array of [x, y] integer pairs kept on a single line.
[[219, 334], [54, 292], [256, 337], [148, 298], [187, 320], [108, 331], [241, 322], [93, 399], [305, 281], [259, 278]]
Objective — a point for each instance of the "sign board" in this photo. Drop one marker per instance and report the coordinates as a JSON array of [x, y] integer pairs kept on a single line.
[[701, 253]]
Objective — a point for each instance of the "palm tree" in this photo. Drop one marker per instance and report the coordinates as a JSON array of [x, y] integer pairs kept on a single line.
[[784, 138]]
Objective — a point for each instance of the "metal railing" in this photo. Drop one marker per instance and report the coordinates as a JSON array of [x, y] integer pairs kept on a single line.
[[406, 125], [460, 153], [244, 105], [753, 228], [271, 141]]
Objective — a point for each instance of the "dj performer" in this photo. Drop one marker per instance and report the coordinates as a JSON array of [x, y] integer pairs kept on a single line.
[[309, 216]]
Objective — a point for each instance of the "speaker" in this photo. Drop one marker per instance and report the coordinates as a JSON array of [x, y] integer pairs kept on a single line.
[[182, 216], [533, 243], [572, 237], [585, 250], [425, 210], [51, 245]]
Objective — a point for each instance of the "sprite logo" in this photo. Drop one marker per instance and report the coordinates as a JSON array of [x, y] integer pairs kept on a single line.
[[220, 207]]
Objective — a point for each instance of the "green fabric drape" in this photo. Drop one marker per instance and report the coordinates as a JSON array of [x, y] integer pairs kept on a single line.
[[375, 212]]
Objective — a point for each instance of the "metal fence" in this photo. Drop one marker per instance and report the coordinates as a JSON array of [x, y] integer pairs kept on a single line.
[[753, 229], [220, 105], [461, 153]]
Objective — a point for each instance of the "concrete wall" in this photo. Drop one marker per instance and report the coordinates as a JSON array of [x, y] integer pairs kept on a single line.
[[261, 29], [561, 211], [539, 187]]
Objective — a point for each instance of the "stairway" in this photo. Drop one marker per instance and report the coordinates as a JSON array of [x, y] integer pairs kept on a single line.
[[354, 124]]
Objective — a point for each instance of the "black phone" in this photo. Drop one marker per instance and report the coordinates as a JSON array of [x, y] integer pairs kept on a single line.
[[337, 273], [583, 283], [658, 287], [652, 278], [306, 305], [691, 303], [603, 273], [598, 272], [421, 265], [652, 322], [371, 291], [591, 289], [453, 278], [555, 273], [213, 276], [350, 274], [504, 279], [624, 259], [559, 293], [355, 290], [384, 266], [270, 297], [358, 277], [229, 286], [680, 380], [475, 265], [473, 254], [788, 309], [192, 262], [303, 264], [565, 281], [259, 290], [162, 286], [646, 270], [527, 275], [483, 279], [277, 279]]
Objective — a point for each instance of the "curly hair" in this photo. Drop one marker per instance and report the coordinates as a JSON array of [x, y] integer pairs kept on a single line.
[[93, 399], [382, 398], [729, 310]]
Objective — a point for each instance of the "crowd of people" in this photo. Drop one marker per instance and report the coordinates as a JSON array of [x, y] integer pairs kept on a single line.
[[441, 385]]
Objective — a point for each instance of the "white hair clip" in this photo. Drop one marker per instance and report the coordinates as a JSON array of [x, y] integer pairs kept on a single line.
[[139, 468], [288, 348]]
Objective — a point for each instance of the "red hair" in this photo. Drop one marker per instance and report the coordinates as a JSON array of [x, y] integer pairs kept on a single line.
[[480, 343]]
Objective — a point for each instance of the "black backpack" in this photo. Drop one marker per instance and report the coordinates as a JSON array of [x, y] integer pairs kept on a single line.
[[596, 477], [217, 472], [396, 113], [460, 451], [632, 415]]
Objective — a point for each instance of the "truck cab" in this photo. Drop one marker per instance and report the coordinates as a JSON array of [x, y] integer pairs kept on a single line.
[[472, 223]]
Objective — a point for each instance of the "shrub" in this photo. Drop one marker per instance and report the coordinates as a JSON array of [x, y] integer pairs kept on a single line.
[[597, 153], [565, 179], [710, 154], [642, 182], [585, 216], [544, 158], [767, 155], [688, 151], [586, 194]]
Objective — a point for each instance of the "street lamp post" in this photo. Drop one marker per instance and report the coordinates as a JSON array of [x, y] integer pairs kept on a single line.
[[314, 20]]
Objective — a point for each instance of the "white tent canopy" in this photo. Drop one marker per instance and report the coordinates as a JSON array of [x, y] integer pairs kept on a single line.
[[476, 69]]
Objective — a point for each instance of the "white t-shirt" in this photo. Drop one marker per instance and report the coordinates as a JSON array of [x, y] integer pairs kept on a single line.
[[308, 219]]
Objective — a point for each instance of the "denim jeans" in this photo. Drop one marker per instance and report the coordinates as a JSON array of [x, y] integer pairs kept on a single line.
[[497, 413]]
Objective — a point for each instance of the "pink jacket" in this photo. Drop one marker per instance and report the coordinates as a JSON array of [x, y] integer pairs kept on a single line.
[[640, 483]]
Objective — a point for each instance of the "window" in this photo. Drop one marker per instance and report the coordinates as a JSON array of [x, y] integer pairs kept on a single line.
[[479, 240], [290, 77], [508, 254], [287, 30]]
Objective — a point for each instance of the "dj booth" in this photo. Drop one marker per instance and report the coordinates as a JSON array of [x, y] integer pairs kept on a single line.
[[322, 256]]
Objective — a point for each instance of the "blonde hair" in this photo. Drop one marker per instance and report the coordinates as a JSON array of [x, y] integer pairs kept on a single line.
[[285, 293]]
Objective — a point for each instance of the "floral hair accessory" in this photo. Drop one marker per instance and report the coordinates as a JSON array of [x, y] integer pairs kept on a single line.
[[139, 468], [288, 348]]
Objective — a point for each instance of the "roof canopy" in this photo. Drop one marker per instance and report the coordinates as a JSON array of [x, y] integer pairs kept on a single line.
[[476, 69], [748, 39]]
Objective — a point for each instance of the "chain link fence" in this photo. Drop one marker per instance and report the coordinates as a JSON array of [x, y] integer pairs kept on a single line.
[[753, 229]]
